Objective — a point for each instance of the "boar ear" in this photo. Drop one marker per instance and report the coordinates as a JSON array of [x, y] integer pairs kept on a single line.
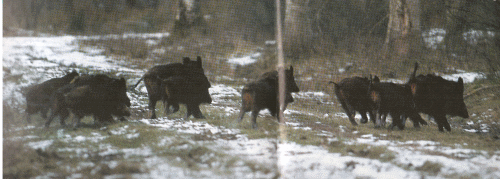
[[186, 60], [376, 79], [461, 83], [291, 69], [198, 59]]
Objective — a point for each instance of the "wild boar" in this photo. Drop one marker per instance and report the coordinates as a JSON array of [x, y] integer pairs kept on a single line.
[[396, 100], [38, 96], [437, 97], [97, 95], [263, 94], [191, 90], [352, 94], [154, 77]]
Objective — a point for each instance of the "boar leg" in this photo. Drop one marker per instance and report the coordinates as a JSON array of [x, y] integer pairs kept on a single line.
[[416, 119], [166, 105], [446, 124], [63, 116], [77, 123], [255, 113], [378, 121], [152, 108], [44, 112], [349, 110], [195, 110], [188, 112], [442, 122], [364, 118], [242, 114], [398, 118], [175, 107], [57, 110], [372, 117], [49, 120], [102, 118], [383, 120]]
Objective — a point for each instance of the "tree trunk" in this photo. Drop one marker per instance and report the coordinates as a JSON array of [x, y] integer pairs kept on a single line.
[[298, 28], [403, 32], [189, 15]]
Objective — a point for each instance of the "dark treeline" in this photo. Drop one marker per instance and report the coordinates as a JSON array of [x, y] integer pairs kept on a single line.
[[368, 29]]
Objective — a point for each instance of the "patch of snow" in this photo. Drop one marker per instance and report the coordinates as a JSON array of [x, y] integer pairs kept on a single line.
[[40, 144], [219, 91], [391, 80], [310, 94], [186, 126], [433, 37], [246, 60], [467, 77], [297, 161], [270, 42]]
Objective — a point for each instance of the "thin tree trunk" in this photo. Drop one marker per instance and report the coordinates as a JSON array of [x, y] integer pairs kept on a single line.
[[298, 28], [403, 32]]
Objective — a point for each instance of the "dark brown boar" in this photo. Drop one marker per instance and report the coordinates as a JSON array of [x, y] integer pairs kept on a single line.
[[263, 94], [154, 77], [438, 97], [395, 100], [38, 96], [191, 90], [97, 95], [352, 94]]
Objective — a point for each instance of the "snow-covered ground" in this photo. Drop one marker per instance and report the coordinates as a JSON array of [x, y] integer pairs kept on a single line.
[[36, 59]]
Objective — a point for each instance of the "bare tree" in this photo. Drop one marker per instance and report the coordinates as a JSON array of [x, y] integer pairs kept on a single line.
[[298, 28], [404, 31], [189, 15]]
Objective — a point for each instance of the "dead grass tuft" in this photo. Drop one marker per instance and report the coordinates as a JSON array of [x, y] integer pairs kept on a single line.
[[432, 168]]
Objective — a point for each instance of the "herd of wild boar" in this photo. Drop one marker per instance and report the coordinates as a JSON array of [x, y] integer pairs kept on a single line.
[[185, 83]]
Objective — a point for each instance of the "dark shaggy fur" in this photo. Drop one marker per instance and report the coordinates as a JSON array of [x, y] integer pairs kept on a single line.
[[38, 96], [191, 90], [263, 94], [438, 97], [396, 100], [154, 77], [97, 95], [352, 94]]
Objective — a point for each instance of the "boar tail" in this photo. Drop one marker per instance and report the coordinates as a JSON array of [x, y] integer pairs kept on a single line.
[[335, 84], [414, 70], [134, 86]]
